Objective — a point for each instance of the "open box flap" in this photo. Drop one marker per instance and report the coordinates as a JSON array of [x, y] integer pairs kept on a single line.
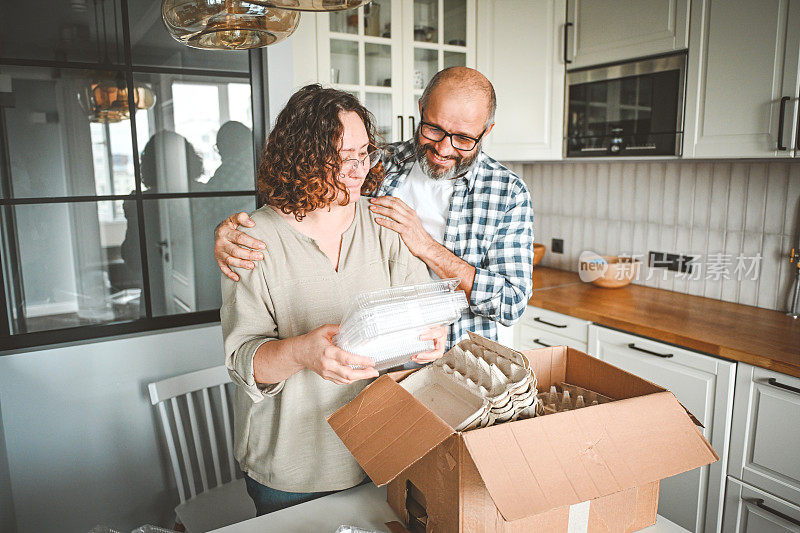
[[387, 430], [543, 463], [562, 363]]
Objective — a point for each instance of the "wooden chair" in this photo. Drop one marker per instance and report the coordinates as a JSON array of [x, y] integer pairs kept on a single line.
[[202, 429]]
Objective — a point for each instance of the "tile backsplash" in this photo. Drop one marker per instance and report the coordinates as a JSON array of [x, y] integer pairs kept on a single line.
[[739, 218]]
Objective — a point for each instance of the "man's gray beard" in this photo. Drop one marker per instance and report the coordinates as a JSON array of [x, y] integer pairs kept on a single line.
[[459, 168]]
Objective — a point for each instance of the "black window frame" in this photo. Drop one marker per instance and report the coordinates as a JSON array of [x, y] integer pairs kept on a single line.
[[257, 76]]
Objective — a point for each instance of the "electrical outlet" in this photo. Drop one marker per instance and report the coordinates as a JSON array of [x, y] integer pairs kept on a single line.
[[673, 262], [557, 246]]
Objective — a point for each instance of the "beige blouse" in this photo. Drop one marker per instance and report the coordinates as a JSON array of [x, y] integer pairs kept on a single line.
[[282, 439]]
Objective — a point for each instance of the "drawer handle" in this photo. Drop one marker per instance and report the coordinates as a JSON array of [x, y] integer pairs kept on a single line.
[[758, 502], [775, 383], [540, 343], [632, 346], [537, 319]]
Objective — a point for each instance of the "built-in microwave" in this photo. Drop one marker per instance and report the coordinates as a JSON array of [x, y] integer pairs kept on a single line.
[[627, 109]]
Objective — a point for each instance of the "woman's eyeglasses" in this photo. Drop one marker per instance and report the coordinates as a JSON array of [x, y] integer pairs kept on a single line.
[[369, 161]]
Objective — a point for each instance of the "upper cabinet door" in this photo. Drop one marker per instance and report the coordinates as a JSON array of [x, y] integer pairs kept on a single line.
[[359, 51], [617, 30], [520, 50], [742, 83], [437, 34]]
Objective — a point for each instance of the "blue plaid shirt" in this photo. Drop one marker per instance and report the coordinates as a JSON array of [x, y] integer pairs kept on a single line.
[[490, 226]]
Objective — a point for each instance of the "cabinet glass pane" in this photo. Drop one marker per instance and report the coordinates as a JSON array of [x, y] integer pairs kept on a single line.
[[378, 65], [344, 21], [344, 62], [426, 64], [71, 269], [426, 21], [378, 18], [455, 59], [455, 22], [198, 136], [184, 277], [152, 45], [381, 106], [84, 31], [58, 146]]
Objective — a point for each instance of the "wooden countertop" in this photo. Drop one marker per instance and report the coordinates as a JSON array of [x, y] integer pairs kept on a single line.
[[760, 337]]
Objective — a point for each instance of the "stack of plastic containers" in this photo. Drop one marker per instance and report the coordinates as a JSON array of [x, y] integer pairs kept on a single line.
[[386, 324]]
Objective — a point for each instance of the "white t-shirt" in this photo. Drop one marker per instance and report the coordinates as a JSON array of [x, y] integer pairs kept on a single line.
[[430, 198]]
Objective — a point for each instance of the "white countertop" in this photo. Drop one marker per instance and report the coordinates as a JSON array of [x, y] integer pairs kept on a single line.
[[364, 506]]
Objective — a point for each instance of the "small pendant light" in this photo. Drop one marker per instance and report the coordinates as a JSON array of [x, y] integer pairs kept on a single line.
[[313, 5], [226, 25], [106, 101]]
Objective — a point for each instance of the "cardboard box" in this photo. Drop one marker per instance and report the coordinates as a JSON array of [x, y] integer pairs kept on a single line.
[[593, 469]]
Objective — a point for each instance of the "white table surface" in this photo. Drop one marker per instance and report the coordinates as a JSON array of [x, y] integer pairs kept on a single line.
[[364, 506]]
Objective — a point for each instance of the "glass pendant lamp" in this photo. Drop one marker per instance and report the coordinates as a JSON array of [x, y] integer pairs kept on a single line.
[[106, 101], [226, 24], [313, 5]]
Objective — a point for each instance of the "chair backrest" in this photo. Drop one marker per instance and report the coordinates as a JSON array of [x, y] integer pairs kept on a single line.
[[199, 439]]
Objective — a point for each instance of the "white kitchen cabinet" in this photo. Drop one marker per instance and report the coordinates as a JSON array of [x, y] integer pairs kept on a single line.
[[765, 448], [742, 79], [704, 385], [751, 510], [385, 53], [520, 50], [618, 30]]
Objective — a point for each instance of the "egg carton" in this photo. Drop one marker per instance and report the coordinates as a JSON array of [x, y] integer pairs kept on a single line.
[[454, 403], [567, 397], [500, 375]]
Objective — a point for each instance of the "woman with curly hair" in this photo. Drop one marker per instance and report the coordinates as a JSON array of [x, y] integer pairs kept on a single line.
[[322, 249]]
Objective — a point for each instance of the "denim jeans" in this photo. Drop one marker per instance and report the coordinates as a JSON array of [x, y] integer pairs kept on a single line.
[[268, 500]]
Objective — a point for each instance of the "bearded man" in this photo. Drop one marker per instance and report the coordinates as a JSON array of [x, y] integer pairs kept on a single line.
[[457, 209]]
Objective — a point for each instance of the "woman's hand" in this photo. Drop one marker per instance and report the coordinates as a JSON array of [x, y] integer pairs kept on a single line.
[[315, 350], [229, 245], [437, 334]]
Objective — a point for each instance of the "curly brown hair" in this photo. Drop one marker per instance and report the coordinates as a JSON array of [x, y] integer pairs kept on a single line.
[[300, 163]]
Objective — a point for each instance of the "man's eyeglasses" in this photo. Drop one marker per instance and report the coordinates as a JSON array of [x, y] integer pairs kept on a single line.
[[458, 141], [369, 161]]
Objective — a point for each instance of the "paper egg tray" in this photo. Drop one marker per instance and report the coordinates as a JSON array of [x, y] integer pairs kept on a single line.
[[566, 397], [504, 380]]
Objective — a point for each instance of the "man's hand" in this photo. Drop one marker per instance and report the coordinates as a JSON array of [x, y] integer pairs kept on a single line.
[[403, 220], [229, 242]]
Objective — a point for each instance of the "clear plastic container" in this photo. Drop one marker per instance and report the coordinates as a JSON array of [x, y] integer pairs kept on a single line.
[[367, 300], [391, 349], [383, 318], [385, 325]]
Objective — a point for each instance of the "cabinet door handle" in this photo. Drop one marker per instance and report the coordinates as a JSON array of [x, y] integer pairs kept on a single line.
[[540, 343], [782, 112], [413, 124], [632, 346], [775, 383], [797, 137], [567, 26], [537, 319], [759, 502], [400, 120]]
